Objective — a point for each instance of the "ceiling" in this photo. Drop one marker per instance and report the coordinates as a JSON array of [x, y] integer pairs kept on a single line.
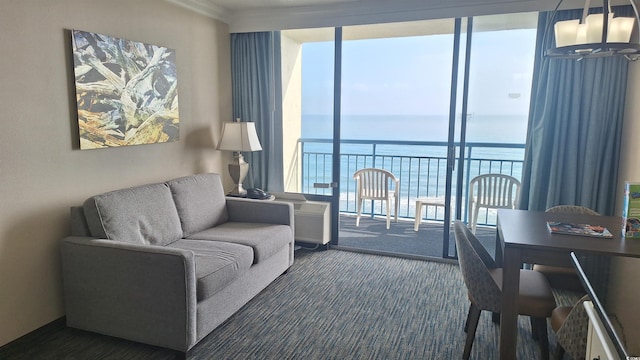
[[264, 15], [261, 4]]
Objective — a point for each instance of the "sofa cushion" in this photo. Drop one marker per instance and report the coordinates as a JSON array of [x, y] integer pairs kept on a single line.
[[200, 201], [265, 239], [217, 263], [140, 215]]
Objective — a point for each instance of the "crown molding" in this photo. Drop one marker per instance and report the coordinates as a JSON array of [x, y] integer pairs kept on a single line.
[[359, 12], [205, 7], [368, 12]]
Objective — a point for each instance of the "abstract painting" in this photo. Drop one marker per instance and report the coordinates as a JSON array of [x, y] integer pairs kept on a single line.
[[126, 91]]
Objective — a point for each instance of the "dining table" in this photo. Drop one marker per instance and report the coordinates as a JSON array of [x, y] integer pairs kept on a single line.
[[524, 237]]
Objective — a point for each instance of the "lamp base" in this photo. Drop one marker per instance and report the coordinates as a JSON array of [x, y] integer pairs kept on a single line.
[[238, 171]]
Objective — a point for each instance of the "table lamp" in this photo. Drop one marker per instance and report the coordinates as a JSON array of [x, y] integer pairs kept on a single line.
[[237, 137]]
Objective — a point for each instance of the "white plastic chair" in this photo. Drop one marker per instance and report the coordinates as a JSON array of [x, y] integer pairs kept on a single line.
[[491, 191], [376, 184]]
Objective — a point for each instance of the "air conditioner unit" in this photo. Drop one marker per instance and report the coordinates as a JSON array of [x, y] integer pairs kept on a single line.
[[312, 218]]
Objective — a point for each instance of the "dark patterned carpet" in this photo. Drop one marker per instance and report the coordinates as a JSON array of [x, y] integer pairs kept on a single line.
[[330, 305]]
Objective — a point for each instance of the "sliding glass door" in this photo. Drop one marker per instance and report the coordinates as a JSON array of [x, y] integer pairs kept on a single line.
[[495, 74], [395, 115], [434, 102]]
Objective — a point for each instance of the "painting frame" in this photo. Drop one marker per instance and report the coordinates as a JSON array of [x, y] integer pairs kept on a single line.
[[126, 91]]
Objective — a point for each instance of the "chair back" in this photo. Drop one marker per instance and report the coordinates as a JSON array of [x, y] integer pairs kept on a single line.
[[475, 262], [375, 184], [572, 209], [572, 335], [494, 191]]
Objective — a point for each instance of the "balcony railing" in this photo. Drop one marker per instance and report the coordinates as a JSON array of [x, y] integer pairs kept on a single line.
[[420, 166]]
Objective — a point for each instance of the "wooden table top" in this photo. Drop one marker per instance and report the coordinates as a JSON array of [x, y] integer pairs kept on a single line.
[[528, 230]]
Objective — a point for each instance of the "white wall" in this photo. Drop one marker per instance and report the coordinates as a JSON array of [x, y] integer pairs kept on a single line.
[[623, 295], [292, 111], [42, 172], [629, 159]]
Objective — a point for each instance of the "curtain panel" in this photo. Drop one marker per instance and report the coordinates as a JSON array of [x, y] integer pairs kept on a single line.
[[575, 126], [257, 97]]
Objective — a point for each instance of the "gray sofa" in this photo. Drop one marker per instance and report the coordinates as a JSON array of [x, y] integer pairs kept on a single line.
[[165, 264]]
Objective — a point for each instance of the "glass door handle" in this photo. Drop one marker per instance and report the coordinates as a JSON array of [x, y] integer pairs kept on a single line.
[[451, 158], [325, 185]]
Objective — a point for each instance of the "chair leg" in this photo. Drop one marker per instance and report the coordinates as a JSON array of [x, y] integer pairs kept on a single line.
[[474, 219], [359, 212], [418, 217], [388, 214], [395, 199], [559, 352], [474, 316], [543, 339], [466, 323], [495, 318]]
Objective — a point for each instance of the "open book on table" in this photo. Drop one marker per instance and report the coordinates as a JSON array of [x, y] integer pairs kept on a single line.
[[557, 227]]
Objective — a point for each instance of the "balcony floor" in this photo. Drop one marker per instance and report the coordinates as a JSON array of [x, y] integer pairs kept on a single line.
[[372, 235]]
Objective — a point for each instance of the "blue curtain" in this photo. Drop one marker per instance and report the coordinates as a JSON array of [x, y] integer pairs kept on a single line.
[[575, 126], [257, 97]]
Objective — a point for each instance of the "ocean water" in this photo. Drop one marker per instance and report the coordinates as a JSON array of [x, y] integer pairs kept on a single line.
[[421, 167], [497, 129], [480, 128]]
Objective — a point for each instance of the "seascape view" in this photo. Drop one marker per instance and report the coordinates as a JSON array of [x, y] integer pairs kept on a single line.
[[480, 128], [413, 148], [395, 99]]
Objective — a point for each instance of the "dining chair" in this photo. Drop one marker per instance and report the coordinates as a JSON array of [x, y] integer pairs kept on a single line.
[[376, 184], [561, 277], [570, 324], [483, 279], [491, 191]]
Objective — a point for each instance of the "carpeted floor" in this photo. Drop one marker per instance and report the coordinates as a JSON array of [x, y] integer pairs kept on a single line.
[[330, 305]]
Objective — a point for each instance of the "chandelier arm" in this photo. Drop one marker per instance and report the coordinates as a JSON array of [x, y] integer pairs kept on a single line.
[[585, 11], [606, 9], [635, 11], [550, 22]]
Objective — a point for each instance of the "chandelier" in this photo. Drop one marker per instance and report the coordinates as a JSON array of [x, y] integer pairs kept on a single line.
[[596, 35]]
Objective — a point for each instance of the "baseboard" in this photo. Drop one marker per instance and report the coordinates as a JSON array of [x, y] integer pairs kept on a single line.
[[393, 254], [29, 339]]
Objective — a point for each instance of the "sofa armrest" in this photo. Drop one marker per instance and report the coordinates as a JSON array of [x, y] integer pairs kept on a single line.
[[142, 293], [260, 211]]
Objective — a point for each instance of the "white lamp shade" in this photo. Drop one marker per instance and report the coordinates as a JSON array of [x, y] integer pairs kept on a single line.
[[581, 37], [595, 24], [239, 136], [620, 30], [565, 32]]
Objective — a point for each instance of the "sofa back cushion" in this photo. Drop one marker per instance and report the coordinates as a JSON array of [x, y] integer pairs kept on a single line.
[[200, 201], [141, 215]]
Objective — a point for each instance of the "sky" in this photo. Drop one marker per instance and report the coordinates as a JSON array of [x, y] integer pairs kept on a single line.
[[412, 75]]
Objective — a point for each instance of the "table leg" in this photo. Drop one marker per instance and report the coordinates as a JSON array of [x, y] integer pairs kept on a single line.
[[509, 314], [498, 249], [495, 317], [418, 217]]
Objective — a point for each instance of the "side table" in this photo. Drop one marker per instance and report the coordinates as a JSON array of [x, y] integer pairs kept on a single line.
[[426, 202]]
